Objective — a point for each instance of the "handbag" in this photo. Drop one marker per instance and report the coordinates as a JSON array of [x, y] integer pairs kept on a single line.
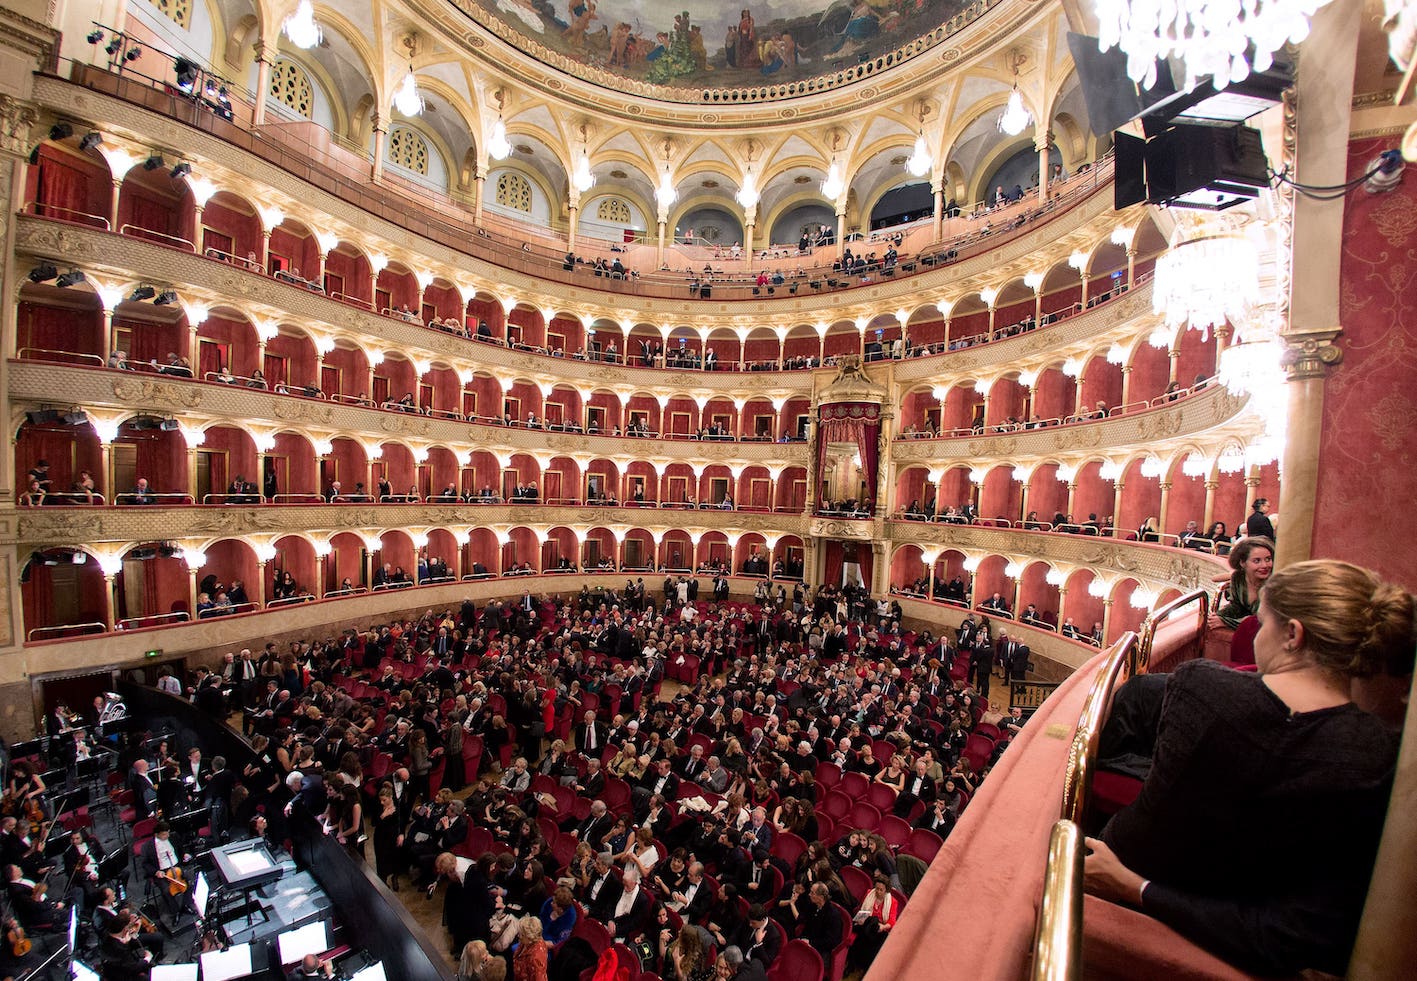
[[503, 930]]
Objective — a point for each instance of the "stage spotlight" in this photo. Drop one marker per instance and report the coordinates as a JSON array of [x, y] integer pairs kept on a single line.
[[75, 418], [142, 293], [181, 170], [43, 273], [186, 74], [133, 53], [91, 139], [112, 46], [154, 162], [165, 297], [70, 278], [61, 131], [95, 36]]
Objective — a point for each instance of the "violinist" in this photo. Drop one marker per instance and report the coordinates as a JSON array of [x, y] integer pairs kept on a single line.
[[24, 794], [34, 910], [81, 860], [17, 954], [108, 908], [172, 794], [19, 847], [124, 956]]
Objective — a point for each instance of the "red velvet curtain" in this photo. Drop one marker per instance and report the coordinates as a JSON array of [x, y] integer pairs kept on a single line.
[[38, 596], [62, 187], [153, 215], [274, 370], [210, 358], [53, 445], [852, 422], [53, 329]]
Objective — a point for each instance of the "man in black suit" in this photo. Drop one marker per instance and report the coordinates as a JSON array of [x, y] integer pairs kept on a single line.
[[143, 788], [162, 866], [631, 909], [595, 826], [603, 890], [816, 921], [758, 939], [1013, 655], [593, 783], [1258, 525], [589, 736]]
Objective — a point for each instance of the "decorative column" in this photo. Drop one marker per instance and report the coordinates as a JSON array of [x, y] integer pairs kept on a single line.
[[1117, 505], [1126, 383], [1210, 486], [1043, 139], [938, 189], [573, 209], [840, 229], [478, 196], [1165, 504], [110, 581], [381, 136], [265, 54], [1106, 620]]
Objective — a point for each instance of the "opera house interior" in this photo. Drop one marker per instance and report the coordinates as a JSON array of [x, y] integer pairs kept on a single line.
[[896, 488]]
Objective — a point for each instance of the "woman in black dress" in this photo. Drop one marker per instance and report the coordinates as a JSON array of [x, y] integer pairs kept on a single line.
[[389, 857]]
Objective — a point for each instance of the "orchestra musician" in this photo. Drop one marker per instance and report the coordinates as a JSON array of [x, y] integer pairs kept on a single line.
[[19, 847], [81, 861], [24, 794], [143, 788], [107, 910], [162, 864], [124, 956], [35, 911]]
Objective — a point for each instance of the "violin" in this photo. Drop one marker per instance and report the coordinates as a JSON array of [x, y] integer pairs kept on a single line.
[[20, 945]]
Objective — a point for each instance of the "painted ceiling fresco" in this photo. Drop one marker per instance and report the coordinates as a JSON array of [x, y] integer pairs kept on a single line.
[[694, 43]]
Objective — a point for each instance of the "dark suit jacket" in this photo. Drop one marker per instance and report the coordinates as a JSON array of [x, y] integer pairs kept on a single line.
[[764, 953], [579, 735]]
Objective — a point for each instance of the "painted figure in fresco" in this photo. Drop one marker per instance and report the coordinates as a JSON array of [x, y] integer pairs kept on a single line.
[[747, 41]]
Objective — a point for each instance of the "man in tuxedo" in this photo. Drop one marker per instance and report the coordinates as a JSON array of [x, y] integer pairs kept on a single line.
[[659, 780], [603, 890], [918, 786], [631, 909], [594, 827], [1013, 656], [693, 765]]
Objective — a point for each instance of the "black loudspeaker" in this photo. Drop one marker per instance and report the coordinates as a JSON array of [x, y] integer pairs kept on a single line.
[[1112, 98]]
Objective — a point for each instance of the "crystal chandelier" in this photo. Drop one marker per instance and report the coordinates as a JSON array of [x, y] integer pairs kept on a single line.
[[1254, 368], [301, 28], [1211, 38], [497, 146], [920, 161], [1015, 118], [1206, 281], [406, 98], [833, 185], [748, 193], [583, 179], [665, 194]]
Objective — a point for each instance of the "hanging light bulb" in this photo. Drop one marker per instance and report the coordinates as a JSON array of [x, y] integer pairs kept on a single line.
[[301, 28], [748, 193], [583, 179], [833, 185], [920, 161], [1015, 118], [497, 145], [406, 97], [666, 193]]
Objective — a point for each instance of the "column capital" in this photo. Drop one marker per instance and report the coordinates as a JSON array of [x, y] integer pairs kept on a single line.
[[266, 50], [1311, 353], [16, 118]]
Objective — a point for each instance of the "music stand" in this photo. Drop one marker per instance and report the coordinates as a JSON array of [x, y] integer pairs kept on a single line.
[[187, 824], [114, 865]]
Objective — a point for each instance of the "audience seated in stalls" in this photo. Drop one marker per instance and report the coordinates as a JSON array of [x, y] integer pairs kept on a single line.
[[758, 719], [1284, 752]]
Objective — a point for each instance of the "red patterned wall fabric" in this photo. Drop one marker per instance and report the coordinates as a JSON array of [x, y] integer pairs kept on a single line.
[[1369, 445]]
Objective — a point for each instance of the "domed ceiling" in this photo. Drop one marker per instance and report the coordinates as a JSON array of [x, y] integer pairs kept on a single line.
[[698, 43]]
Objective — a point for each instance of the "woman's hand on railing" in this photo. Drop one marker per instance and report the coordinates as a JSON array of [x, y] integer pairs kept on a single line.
[[1106, 877]]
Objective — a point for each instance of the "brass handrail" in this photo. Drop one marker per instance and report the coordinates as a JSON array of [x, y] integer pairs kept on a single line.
[[1057, 942], [1082, 754], [1146, 635]]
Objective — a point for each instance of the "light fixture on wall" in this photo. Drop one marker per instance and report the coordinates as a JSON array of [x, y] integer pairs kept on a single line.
[[1212, 39], [833, 185], [300, 27], [1015, 118]]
